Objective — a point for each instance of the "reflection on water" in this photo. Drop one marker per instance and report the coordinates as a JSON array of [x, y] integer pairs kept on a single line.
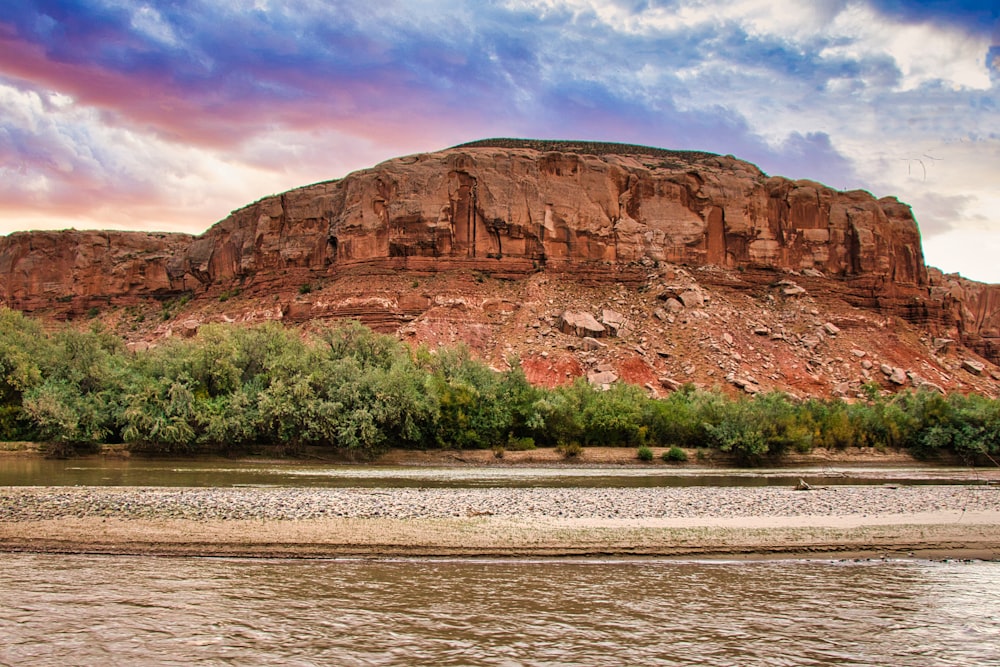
[[81, 610], [160, 472]]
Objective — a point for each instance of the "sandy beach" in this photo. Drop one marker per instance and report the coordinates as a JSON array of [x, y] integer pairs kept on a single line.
[[874, 521]]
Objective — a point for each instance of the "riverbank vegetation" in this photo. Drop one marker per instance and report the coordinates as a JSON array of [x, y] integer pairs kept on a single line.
[[350, 389]]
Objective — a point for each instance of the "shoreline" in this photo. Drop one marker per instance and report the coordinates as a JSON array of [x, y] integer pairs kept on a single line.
[[589, 457], [928, 542], [932, 542], [937, 522]]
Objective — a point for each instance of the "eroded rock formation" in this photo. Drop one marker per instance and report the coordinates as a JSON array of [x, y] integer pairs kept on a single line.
[[514, 210], [63, 271], [592, 214]]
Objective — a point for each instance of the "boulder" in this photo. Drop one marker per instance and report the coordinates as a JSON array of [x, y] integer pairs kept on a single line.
[[673, 305], [793, 290], [613, 320], [810, 341], [670, 383], [580, 323], [973, 366], [942, 345], [692, 298], [602, 379]]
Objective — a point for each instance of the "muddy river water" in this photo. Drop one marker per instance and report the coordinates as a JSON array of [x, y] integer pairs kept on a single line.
[[100, 610], [196, 473], [64, 610]]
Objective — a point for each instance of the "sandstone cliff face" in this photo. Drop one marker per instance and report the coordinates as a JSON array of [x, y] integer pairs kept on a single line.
[[79, 269], [596, 216], [970, 312], [514, 210]]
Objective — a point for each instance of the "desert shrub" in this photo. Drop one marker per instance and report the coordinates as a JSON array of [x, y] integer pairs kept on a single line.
[[470, 400], [570, 450], [675, 455], [644, 453], [355, 390], [520, 444], [614, 417], [678, 418]]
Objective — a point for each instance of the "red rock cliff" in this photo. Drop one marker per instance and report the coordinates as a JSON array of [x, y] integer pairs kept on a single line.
[[515, 209], [592, 213], [70, 270]]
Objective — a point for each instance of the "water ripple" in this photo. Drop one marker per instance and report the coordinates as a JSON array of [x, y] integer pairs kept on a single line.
[[77, 610]]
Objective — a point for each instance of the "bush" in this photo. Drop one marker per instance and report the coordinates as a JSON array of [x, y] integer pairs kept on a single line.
[[352, 389], [570, 450], [520, 444], [675, 455]]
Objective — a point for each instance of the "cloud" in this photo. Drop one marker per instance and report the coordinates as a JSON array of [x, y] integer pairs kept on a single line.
[[941, 214], [970, 253], [972, 16], [234, 68], [61, 165], [123, 112]]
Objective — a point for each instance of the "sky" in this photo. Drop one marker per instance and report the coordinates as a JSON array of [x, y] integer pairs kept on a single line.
[[166, 116]]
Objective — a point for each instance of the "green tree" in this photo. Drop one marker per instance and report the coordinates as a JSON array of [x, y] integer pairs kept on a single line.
[[72, 405], [614, 417], [24, 347]]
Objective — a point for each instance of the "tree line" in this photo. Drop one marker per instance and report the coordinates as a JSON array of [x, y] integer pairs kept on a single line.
[[350, 389]]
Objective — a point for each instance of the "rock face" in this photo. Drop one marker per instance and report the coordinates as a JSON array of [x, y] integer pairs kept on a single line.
[[84, 269], [970, 311], [598, 214], [592, 214]]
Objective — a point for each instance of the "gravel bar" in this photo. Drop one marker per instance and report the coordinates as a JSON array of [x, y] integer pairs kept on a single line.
[[21, 504]]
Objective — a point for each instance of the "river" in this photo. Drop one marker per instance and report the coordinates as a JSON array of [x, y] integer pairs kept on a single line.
[[94, 610], [66, 610], [31, 471]]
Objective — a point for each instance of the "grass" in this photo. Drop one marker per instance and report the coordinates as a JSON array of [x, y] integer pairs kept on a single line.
[[588, 148]]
